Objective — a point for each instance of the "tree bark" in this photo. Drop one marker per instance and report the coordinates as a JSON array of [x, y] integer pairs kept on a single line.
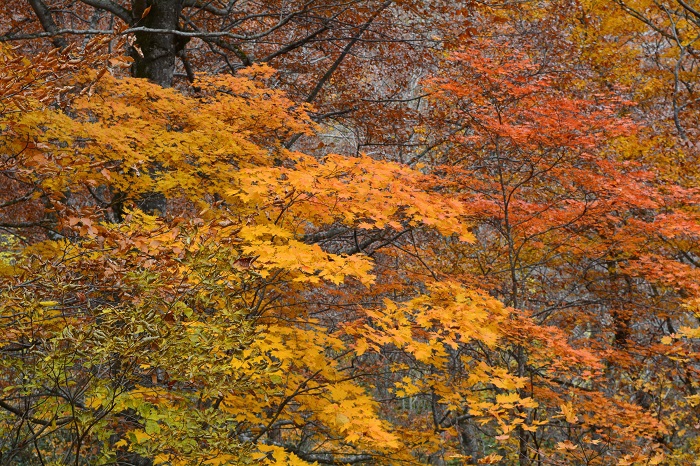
[[155, 53]]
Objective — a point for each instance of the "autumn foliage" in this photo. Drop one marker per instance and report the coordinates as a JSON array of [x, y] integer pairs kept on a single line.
[[481, 248]]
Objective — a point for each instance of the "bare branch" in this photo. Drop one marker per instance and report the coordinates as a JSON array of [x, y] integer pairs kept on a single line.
[[116, 9], [59, 32], [689, 8], [24, 415], [319, 85], [296, 44], [208, 7], [47, 22]]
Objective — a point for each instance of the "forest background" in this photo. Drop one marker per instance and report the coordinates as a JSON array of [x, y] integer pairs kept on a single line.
[[349, 232]]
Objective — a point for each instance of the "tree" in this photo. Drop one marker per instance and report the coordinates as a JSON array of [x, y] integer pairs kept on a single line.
[[566, 230], [184, 338]]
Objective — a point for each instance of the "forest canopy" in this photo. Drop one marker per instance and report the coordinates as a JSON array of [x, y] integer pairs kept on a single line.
[[349, 232]]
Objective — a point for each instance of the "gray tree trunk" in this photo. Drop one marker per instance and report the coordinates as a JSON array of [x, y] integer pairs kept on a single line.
[[155, 53]]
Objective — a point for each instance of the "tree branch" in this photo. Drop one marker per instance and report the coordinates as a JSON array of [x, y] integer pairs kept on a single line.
[[346, 50], [24, 415], [689, 8], [44, 14], [206, 7], [116, 9]]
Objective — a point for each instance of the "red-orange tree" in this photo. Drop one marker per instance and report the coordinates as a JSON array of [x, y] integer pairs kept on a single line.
[[567, 231]]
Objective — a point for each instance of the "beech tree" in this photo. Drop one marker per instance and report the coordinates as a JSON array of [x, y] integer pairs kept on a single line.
[[314, 44]]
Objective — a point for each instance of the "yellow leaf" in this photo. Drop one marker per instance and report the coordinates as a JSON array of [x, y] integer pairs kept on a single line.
[[219, 460], [493, 458], [361, 347], [139, 436], [568, 411], [512, 397], [566, 445]]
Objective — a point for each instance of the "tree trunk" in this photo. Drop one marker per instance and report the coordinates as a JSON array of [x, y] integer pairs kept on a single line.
[[155, 53]]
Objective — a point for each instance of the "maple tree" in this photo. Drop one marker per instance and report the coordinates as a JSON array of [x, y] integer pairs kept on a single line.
[[547, 247], [103, 307]]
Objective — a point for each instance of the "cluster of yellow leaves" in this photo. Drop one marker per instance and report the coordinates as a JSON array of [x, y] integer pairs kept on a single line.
[[445, 317], [127, 129], [276, 456], [357, 191]]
